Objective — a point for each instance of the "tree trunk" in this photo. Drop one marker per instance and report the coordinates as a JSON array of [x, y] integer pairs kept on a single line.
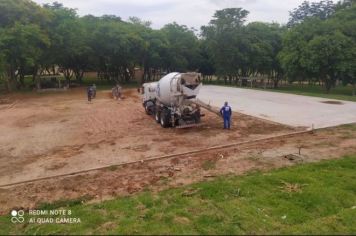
[[275, 83], [79, 75], [7, 82], [68, 74], [10, 78], [328, 86], [149, 74], [145, 74], [36, 80], [21, 74], [22, 80]]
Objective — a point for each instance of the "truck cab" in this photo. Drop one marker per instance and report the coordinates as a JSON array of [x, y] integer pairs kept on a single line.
[[149, 91]]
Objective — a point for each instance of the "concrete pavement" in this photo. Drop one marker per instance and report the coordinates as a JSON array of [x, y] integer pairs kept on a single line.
[[289, 109]]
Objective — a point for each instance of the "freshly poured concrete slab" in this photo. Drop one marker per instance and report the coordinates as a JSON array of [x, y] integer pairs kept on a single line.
[[289, 109]]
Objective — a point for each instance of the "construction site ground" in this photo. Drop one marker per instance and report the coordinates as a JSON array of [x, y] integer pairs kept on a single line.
[[61, 134]]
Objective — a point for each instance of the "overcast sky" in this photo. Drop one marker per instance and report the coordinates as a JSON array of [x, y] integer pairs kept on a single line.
[[193, 13]]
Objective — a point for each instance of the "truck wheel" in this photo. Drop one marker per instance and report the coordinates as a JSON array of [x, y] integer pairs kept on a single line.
[[197, 117], [149, 107], [158, 116], [165, 116]]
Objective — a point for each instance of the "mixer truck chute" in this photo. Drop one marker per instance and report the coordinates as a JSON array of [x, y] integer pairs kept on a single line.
[[172, 100]]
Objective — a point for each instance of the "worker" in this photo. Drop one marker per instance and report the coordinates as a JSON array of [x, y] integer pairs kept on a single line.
[[226, 112], [94, 90], [119, 91], [116, 92], [113, 92], [89, 93]]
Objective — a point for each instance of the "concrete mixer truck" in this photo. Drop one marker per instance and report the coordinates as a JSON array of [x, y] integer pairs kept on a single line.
[[172, 100]]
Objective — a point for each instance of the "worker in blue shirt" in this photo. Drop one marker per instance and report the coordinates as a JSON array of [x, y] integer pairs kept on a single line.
[[226, 113]]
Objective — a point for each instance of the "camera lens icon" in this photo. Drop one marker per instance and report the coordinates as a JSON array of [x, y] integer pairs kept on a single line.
[[14, 213], [17, 216]]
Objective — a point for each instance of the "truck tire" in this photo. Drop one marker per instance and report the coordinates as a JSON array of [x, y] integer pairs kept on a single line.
[[165, 118], [197, 117], [158, 115], [149, 107]]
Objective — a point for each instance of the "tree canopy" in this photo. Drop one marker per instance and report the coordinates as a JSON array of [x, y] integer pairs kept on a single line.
[[322, 49], [317, 44]]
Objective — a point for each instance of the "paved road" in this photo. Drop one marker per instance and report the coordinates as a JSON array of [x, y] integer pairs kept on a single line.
[[289, 109]]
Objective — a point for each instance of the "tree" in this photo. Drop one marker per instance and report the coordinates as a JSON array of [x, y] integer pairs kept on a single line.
[[2, 68], [22, 39], [265, 42], [327, 57], [226, 42], [155, 53], [229, 18], [137, 21], [319, 45], [321, 10], [292, 56], [70, 49], [206, 67], [183, 48], [21, 11], [112, 43], [240, 50], [344, 4], [345, 21], [22, 47], [321, 49]]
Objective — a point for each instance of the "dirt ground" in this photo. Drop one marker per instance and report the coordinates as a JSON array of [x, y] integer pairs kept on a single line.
[[52, 134]]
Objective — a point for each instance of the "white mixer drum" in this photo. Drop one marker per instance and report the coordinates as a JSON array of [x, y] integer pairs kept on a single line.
[[176, 85]]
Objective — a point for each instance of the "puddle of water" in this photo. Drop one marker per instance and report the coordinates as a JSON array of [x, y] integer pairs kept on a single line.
[[333, 102]]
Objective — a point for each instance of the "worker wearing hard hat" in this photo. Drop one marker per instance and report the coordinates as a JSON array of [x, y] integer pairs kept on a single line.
[[226, 112]]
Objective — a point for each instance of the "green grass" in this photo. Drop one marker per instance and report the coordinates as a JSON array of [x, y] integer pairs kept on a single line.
[[317, 198], [339, 93]]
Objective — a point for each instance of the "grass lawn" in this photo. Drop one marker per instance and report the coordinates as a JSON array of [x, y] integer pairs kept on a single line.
[[339, 93], [317, 198]]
